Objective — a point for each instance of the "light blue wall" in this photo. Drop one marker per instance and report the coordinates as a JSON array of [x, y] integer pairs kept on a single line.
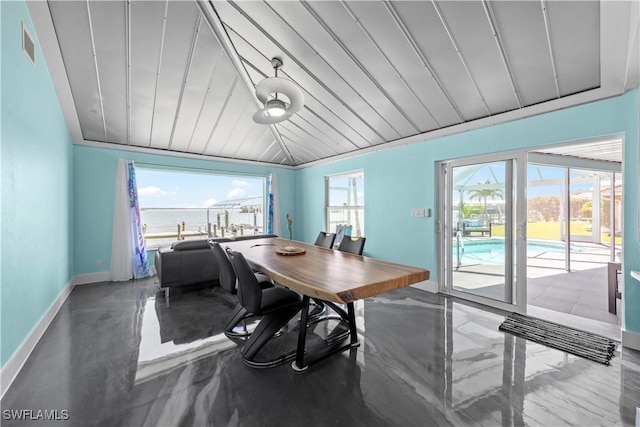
[[403, 178], [37, 233], [94, 180], [57, 201]]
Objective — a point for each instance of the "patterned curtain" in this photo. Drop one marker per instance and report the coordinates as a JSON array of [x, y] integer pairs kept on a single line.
[[273, 211], [270, 204], [138, 249], [128, 248]]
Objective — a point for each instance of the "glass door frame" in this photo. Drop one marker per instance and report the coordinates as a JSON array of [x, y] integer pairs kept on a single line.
[[610, 168], [515, 228]]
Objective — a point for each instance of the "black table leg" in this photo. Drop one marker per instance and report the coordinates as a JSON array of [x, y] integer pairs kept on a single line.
[[298, 364], [352, 325]]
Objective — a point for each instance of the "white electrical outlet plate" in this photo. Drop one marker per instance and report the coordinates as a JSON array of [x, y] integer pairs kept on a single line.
[[418, 213]]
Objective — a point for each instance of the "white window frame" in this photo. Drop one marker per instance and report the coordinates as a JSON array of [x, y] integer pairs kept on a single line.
[[141, 166], [328, 207]]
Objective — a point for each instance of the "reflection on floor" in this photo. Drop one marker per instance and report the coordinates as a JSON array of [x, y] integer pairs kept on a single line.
[[115, 355]]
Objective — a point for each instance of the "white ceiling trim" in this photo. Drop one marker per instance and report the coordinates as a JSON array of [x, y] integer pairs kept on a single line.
[[558, 104], [43, 23], [614, 34], [158, 151], [618, 29]]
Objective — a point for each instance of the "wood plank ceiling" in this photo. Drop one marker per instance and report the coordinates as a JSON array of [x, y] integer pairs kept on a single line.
[[155, 74]]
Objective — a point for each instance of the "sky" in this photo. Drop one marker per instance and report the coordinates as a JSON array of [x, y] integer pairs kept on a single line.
[[169, 189]]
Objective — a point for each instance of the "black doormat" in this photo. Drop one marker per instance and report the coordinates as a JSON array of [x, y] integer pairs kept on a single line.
[[574, 341]]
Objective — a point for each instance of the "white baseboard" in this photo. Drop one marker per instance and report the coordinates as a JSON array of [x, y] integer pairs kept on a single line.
[[13, 366], [631, 340], [427, 285], [83, 279], [11, 369]]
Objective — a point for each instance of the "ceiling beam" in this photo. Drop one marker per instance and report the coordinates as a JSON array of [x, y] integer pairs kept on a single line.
[[421, 56], [155, 92], [389, 62], [633, 57], [339, 75], [185, 78], [355, 60], [503, 55], [545, 15], [306, 70], [214, 22], [95, 64], [224, 107], [460, 55], [204, 100], [309, 95]]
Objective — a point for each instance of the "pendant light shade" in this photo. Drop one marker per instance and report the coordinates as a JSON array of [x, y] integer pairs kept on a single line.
[[281, 98]]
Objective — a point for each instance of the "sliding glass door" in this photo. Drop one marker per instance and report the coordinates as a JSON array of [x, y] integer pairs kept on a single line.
[[481, 253], [507, 218]]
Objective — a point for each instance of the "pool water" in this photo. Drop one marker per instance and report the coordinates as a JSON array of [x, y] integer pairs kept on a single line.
[[492, 251]]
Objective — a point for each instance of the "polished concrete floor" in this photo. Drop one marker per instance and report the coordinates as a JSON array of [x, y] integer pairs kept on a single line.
[[116, 355]]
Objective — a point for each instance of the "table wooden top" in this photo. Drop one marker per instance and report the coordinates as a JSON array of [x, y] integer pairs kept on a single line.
[[327, 274]]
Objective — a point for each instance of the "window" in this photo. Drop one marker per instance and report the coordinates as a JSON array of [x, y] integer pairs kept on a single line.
[[193, 204], [345, 202]]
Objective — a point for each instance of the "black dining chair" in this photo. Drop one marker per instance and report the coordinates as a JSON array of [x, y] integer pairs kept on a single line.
[[352, 245], [276, 305], [325, 240], [228, 282], [254, 236]]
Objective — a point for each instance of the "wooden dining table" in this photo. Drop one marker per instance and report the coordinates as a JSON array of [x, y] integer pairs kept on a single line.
[[327, 275]]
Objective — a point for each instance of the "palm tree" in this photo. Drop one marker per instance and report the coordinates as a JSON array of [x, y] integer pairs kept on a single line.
[[486, 193]]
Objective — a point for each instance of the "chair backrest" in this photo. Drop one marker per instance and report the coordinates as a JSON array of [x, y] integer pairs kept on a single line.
[[253, 236], [249, 290], [352, 245], [226, 274], [325, 239]]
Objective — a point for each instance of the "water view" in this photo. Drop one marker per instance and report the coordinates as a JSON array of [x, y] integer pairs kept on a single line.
[[163, 226]]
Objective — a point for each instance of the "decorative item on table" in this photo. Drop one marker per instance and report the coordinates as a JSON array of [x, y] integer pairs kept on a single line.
[[290, 249]]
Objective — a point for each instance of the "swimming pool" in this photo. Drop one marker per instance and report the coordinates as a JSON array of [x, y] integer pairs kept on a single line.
[[492, 251]]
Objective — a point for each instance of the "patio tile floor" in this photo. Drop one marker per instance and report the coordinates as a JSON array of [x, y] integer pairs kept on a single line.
[[580, 293]]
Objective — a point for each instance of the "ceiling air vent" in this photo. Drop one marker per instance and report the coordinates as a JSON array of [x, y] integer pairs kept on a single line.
[[28, 46]]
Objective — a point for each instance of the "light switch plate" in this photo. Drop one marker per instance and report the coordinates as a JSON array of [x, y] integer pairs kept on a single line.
[[417, 213]]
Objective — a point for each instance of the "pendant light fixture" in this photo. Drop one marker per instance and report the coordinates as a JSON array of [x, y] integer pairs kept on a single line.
[[281, 97]]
